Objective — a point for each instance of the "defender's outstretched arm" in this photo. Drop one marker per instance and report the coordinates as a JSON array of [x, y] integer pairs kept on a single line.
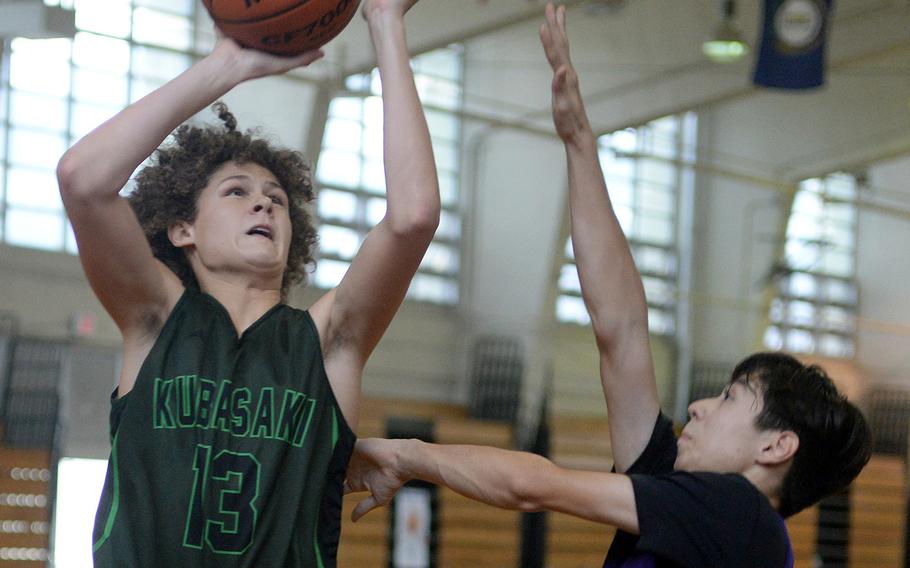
[[610, 283], [502, 478]]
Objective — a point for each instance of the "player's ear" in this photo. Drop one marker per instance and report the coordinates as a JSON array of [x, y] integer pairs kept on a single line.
[[181, 234], [779, 446]]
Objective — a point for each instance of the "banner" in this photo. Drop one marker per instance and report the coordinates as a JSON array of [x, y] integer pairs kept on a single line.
[[792, 53]]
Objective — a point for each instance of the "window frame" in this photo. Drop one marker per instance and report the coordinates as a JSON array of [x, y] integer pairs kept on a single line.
[[130, 76], [649, 254], [784, 329], [362, 87]]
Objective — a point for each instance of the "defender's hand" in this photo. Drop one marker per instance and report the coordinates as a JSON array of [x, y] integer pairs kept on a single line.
[[568, 109], [374, 468]]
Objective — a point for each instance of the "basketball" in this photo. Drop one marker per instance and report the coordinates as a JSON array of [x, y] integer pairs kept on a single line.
[[282, 27]]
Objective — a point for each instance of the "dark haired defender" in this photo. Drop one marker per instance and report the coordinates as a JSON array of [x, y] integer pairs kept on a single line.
[[234, 416], [776, 440]]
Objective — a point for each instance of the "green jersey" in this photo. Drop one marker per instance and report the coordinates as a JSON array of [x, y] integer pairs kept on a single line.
[[229, 451]]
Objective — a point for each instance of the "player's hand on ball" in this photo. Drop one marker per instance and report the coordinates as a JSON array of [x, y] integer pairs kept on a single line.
[[253, 63]]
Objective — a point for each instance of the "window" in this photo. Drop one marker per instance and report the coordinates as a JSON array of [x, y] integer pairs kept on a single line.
[[351, 178], [643, 174], [55, 91], [816, 292]]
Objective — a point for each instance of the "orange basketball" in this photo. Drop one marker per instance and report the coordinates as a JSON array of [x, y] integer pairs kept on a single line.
[[283, 27]]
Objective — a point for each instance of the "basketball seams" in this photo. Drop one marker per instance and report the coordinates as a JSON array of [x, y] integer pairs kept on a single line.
[[295, 27], [213, 10]]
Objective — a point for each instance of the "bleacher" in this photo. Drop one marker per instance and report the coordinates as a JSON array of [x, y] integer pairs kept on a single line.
[[472, 534], [578, 443], [803, 532], [28, 401], [878, 514], [24, 510]]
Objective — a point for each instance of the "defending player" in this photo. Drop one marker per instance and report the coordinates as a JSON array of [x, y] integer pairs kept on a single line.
[[776, 440]]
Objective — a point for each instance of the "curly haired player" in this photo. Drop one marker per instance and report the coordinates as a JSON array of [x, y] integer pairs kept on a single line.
[[234, 417]]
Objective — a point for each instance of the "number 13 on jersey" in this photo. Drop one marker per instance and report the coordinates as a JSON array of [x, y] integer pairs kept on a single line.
[[234, 479]]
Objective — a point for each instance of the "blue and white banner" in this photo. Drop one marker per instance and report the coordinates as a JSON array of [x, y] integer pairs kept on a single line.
[[792, 54]]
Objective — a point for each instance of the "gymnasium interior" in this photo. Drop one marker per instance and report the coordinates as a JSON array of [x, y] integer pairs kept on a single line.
[[760, 218]]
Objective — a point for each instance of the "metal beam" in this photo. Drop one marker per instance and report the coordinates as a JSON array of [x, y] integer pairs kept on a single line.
[[524, 16]]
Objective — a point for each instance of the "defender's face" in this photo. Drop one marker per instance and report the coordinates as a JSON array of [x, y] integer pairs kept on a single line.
[[721, 435], [242, 221]]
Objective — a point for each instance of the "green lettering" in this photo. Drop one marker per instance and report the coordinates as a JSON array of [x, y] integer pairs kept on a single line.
[[186, 400], [263, 425], [163, 416], [292, 412], [222, 418], [240, 412], [205, 402]]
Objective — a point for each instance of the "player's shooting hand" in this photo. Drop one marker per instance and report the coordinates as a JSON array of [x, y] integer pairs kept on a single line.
[[568, 108], [373, 468], [246, 63]]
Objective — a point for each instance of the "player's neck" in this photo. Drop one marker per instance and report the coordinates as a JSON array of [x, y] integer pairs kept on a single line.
[[767, 480], [244, 301]]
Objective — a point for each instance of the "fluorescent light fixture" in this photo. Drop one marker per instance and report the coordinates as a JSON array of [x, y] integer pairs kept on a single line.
[[726, 45]]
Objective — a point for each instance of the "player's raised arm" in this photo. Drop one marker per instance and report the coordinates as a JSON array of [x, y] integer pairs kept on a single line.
[[133, 286], [610, 283], [354, 316]]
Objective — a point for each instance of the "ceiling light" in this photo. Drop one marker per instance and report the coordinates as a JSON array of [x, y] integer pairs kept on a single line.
[[726, 44]]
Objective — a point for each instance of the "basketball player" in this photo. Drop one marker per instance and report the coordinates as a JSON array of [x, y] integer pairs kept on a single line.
[[234, 417], [777, 439]]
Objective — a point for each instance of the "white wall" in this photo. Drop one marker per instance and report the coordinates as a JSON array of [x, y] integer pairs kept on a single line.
[[516, 212], [282, 106], [883, 269], [736, 233], [44, 290]]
